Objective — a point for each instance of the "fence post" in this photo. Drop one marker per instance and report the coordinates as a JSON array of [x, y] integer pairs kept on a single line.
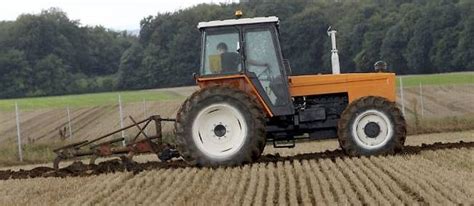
[[144, 113], [20, 152], [69, 122], [421, 101], [144, 108], [401, 96], [121, 117]]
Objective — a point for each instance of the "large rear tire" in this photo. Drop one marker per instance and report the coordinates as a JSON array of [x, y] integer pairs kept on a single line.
[[371, 126], [220, 126]]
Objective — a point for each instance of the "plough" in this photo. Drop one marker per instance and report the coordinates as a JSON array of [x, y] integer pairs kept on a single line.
[[104, 146]]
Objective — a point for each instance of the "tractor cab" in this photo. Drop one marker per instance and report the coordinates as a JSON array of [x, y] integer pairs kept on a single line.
[[247, 48]]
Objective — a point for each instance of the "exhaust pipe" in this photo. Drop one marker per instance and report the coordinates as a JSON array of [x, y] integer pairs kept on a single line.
[[334, 56]]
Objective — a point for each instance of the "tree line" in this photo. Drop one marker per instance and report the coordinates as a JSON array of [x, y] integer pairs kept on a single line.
[[48, 54]]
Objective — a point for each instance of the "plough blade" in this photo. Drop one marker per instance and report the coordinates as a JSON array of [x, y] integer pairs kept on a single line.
[[100, 147]]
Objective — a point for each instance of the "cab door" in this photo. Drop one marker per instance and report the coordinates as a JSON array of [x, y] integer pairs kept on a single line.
[[264, 67]]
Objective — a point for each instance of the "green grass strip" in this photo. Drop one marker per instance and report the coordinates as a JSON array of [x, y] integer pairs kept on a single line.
[[87, 100], [437, 79]]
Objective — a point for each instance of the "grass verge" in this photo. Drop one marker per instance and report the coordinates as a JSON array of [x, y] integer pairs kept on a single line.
[[35, 153], [87, 100], [437, 79]]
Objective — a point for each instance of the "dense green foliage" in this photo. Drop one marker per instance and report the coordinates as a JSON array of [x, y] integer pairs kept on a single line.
[[413, 36], [49, 54]]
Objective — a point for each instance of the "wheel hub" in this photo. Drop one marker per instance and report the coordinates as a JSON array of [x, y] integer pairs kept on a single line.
[[220, 130], [372, 129]]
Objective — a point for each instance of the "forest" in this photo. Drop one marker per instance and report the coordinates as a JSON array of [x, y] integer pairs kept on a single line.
[[50, 54]]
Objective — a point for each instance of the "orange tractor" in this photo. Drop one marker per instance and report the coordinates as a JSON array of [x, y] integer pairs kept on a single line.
[[248, 97]]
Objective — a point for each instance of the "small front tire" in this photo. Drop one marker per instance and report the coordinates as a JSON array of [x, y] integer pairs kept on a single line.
[[371, 126]]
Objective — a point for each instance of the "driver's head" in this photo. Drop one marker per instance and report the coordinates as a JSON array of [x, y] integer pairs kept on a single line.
[[380, 66], [221, 48]]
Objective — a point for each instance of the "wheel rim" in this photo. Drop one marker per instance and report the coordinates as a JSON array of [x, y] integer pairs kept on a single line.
[[372, 129], [219, 130]]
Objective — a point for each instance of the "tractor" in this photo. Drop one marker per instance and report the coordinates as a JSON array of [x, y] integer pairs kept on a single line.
[[248, 97]]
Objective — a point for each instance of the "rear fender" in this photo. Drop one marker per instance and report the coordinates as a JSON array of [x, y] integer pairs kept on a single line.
[[238, 81]]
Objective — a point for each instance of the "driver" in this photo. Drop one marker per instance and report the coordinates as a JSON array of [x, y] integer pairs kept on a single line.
[[230, 60]]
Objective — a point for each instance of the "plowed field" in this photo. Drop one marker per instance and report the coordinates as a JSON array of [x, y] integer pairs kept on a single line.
[[426, 173]]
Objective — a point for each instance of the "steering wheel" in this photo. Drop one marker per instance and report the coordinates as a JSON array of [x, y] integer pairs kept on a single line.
[[269, 79]]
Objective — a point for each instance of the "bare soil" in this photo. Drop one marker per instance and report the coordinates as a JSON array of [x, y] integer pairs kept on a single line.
[[115, 165]]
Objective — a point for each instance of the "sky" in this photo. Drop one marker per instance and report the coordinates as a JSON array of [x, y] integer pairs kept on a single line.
[[113, 14]]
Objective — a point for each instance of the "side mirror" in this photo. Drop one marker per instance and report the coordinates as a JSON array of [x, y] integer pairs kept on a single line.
[[195, 76]]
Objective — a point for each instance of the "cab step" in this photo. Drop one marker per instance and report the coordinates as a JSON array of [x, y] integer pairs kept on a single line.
[[287, 143]]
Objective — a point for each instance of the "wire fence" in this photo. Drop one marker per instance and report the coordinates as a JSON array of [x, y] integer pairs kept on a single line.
[[428, 101], [70, 124]]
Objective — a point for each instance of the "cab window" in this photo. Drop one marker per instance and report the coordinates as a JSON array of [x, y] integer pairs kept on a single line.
[[221, 52], [263, 62]]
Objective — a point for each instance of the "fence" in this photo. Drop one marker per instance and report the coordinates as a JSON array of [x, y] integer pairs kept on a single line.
[[24, 127], [420, 99], [435, 101]]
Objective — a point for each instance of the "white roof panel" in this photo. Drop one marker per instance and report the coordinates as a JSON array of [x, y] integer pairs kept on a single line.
[[229, 22]]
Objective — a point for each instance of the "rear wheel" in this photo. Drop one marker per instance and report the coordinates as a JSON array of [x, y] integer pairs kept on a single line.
[[371, 126], [220, 126]]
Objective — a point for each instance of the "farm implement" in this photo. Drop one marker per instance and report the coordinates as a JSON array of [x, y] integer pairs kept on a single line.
[[109, 146]]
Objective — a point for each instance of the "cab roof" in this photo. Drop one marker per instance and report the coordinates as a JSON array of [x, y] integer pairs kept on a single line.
[[230, 22]]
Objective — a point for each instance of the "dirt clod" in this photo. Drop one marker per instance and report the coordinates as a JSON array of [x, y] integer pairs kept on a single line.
[[121, 165]]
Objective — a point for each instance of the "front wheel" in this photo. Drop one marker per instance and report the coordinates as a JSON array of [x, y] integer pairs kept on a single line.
[[220, 126], [371, 126]]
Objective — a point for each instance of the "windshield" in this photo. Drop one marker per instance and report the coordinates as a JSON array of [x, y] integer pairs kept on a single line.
[[221, 52]]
